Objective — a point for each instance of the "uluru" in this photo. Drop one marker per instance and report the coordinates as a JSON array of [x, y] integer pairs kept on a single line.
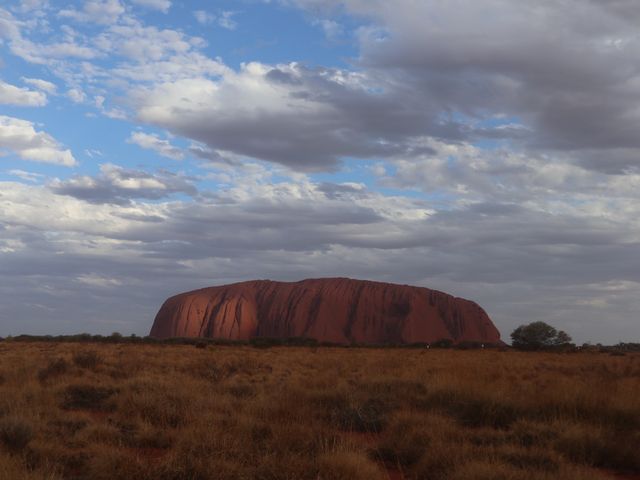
[[337, 310]]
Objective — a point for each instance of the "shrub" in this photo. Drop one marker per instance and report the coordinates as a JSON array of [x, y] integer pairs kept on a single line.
[[479, 412], [369, 416], [15, 434], [214, 371], [88, 359], [537, 336], [66, 428], [54, 369], [529, 434], [404, 447], [265, 342], [155, 405], [600, 448], [87, 397]]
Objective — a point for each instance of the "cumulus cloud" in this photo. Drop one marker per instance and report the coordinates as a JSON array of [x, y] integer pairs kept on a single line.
[[12, 95], [76, 95], [97, 11], [571, 94], [562, 69], [119, 185], [157, 144], [20, 137], [304, 118]]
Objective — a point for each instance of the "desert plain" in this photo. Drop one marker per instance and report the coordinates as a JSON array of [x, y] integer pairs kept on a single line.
[[72, 411]]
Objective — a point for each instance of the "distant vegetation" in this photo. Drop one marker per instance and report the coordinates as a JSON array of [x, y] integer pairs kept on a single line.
[[128, 410], [267, 342]]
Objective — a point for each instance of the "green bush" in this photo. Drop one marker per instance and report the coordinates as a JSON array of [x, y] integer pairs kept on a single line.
[[538, 336]]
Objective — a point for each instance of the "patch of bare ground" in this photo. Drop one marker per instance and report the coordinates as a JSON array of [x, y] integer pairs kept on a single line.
[[146, 412]]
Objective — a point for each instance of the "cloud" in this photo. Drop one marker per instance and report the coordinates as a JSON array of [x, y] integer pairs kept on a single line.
[[142, 43], [40, 84], [291, 229], [203, 17], [155, 143], [307, 119], [76, 95], [20, 137], [119, 185], [24, 175], [162, 5], [32, 5], [562, 69], [9, 26], [115, 113], [97, 11], [225, 20], [45, 54], [332, 29], [12, 95]]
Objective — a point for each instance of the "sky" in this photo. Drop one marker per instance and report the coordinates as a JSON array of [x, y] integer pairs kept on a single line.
[[486, 148]]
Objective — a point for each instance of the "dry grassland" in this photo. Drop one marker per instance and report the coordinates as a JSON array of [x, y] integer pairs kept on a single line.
[[108, 412]]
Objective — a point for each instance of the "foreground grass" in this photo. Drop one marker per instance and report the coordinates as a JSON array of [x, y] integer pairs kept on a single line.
[[74, 411]]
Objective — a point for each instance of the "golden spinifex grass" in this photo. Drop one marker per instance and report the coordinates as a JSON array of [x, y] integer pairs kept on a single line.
[[76, 411]]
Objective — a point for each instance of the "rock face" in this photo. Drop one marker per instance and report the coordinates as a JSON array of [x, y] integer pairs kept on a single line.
[[338, 310]]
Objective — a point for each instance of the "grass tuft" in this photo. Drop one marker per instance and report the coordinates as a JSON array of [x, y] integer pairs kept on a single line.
[[88, 359], [54, 369], [87, 397], [15, 434], [368, 416]]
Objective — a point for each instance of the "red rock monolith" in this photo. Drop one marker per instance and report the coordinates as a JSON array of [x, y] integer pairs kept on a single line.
[[338, 310]]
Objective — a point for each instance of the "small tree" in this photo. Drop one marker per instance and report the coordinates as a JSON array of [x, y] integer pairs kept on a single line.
[[538, 335]]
